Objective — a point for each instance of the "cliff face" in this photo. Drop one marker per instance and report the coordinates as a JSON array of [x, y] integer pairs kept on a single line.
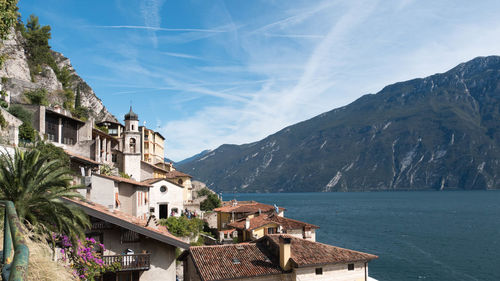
[[440, 132], [18, 81]]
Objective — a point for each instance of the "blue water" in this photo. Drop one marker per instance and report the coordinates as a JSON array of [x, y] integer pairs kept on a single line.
[[440, 236]]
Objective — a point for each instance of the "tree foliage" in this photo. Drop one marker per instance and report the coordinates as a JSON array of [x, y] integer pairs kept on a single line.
[[38, 96], [8, 16], [203, 192], [182, 226], [36, 185], [52, 152], [210, 203]]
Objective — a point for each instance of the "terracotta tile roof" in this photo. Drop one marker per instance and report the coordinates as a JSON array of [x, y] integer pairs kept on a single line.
[[252, 207], [265, 219], [225, 262], [152, 180], [176, 174], [82, 158], [129, 222], [120, 179], [308, 253], [154, 166]]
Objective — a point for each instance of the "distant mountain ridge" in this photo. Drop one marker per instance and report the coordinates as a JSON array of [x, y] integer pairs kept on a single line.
[[439, 132]]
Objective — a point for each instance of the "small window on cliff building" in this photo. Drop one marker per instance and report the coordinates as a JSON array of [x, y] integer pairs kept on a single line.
[[180, 181], [350, 266], [319, 271]]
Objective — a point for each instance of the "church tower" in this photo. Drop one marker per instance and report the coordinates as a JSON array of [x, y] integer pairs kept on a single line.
[[132, 146]]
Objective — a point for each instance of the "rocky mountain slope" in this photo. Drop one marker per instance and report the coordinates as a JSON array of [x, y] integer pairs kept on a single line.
[[16, 78], [440, 132]]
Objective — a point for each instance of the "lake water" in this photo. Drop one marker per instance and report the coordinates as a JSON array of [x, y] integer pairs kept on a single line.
[[452, 235]]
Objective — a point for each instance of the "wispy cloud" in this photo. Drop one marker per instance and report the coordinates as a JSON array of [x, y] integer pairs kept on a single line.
[[157, 28], [150, 10], [181, 55]]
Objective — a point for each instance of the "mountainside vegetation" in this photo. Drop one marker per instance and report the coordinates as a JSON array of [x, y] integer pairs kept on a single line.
[[439, 132]]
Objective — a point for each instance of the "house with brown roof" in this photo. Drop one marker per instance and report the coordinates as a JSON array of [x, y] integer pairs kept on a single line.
[[275, 257], [232, 211], [145, 250], [254, 228]]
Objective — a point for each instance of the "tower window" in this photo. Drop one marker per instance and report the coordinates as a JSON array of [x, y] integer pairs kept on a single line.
[[132, 145], [131, 127]]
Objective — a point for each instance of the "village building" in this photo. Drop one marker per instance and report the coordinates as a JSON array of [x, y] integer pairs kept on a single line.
[[131, 146], [115, 129], [153, 144], [145, 250], [232, 211], [253, 228], [166, 198], [57, 126], [275, 257]]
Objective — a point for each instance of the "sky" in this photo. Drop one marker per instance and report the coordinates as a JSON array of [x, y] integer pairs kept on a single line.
[[209, 72]]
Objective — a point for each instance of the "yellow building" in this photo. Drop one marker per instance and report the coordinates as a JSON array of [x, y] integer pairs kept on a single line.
[[153, 144], [256, 226]]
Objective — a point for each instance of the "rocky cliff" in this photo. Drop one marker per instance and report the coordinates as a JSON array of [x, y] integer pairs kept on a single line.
[[17, 79], [440, 132]]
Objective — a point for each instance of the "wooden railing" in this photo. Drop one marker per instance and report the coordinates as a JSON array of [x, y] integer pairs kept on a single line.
[[129, 262]]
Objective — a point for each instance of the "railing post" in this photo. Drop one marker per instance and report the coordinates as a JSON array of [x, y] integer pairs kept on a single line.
[[19, 265], [7, 240]]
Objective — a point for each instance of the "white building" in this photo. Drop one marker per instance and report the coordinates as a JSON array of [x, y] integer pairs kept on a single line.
[[166, 198], [145, 250]]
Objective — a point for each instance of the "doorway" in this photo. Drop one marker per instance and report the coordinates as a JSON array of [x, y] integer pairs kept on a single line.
[[163, 211]]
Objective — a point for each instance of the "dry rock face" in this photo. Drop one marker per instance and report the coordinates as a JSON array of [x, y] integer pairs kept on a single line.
[[16, 69]]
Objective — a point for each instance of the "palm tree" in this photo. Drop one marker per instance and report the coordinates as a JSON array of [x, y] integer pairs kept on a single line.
[[36, 185]]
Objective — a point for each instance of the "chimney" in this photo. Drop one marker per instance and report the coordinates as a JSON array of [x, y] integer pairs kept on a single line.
[[285, 252], [247, 223]]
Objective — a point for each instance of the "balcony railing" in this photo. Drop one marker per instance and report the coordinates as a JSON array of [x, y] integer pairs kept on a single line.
[[129, 262]]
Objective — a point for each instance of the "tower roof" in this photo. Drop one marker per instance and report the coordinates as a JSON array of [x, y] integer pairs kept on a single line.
[[131, 115]]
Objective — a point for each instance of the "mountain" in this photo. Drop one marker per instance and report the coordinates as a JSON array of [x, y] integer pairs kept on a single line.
[[17, 78], [194, 157], [439, 132]]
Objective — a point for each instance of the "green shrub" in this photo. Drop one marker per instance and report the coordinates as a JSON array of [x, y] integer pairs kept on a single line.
[[52, 152], [81, 113], [8, 16], [203, 192], [3, 122], [38, 96], [124, 175], [210, 203], [182, 226], [4, 104], [26, 130], [69, 98]]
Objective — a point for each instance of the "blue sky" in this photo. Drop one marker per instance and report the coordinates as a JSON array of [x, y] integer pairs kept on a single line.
[[209, 72]]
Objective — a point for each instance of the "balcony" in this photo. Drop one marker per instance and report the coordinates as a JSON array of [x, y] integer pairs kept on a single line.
[[129, 262]]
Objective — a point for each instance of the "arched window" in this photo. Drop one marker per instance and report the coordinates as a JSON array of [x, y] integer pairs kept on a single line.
[[180, 181], [132, 145]]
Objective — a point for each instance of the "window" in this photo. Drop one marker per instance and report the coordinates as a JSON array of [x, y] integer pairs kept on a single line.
[[132, 145], [163, 188], [319, 271], [180, 181], [350, 266], [113, 158]]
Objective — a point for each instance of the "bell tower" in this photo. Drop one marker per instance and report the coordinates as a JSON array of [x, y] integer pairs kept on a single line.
[[132, 146]]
